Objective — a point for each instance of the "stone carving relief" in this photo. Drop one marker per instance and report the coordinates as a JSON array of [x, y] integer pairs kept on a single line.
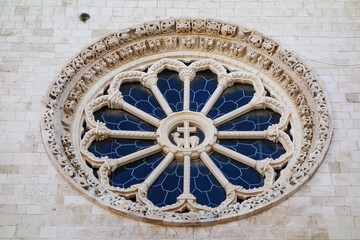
[[203, 44], [98, 131]]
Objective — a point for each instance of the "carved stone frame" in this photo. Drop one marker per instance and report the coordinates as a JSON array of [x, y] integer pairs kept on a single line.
[[247, 54]]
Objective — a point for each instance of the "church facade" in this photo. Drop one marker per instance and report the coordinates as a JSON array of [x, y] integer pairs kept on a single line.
[[55, 133]]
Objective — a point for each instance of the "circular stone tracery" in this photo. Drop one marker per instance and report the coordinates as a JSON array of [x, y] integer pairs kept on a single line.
[[185, 149], [251, 58]]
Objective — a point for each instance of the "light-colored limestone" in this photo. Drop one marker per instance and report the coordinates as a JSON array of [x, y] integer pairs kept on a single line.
[[294, 91], [313, 30]]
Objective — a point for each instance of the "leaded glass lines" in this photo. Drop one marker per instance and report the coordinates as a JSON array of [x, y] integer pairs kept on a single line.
[[239, 131]]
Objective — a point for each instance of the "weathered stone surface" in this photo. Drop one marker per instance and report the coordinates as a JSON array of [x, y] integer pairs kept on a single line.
[[31, 58]]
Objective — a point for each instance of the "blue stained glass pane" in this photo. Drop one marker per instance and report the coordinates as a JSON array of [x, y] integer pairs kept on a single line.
[[238, 173], [116, 148], [257, 120], [116, 119], [168, 186], [201, 88], [204, 185], [256, 149], [136, 172], [231, 99], [172, 88], [142, 98]]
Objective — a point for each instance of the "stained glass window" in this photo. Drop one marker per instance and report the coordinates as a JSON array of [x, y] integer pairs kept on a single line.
[[187, 121], [204, 177]]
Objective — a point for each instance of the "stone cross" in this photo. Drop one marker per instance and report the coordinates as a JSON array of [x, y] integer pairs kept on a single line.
[[186, 130]]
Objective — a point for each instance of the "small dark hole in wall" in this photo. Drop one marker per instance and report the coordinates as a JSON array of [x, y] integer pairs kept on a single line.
[[186, 210], [132, 198], [288, 132], [240, 200], [95, 170], [105, 90], [84, 17]]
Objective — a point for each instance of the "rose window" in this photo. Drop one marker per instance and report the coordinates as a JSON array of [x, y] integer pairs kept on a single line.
[[186, 122], [186, 137]]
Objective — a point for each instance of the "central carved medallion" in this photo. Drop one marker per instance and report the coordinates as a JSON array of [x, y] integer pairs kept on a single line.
[[187, 141], [179, 134]]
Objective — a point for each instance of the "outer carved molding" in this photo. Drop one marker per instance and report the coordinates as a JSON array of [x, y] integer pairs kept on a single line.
[[251, 57]]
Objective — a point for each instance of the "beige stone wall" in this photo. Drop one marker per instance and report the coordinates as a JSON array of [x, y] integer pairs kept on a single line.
[[37, 38]]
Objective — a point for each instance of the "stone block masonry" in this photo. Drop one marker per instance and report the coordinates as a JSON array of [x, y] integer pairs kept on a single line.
[[39, 37]]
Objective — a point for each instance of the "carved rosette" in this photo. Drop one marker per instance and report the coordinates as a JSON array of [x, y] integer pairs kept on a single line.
[[236, 55]]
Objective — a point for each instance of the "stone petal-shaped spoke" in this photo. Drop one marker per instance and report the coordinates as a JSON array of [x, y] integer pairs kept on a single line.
[[116, 101], [132, 134], [135, 156], [161, 100], [141, 114], [187, 164], [272, 134], [150, 81], [233, 114], [100, 132], [186, 94], [158, 170], [235, 155], [258, 102], [110, 165], [215, 171], [224, 81], [261, 166], [227, 80], [156, 68], [242, 134], [212, 100], [187, 74]]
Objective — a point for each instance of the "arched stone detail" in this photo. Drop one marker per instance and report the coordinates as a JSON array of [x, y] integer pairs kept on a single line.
[[204, 44]]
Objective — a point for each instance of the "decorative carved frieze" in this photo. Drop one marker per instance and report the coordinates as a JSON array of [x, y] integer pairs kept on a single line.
[[183, 26]]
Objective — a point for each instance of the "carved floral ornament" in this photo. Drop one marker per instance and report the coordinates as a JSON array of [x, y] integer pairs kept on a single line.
[[92, 80]]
